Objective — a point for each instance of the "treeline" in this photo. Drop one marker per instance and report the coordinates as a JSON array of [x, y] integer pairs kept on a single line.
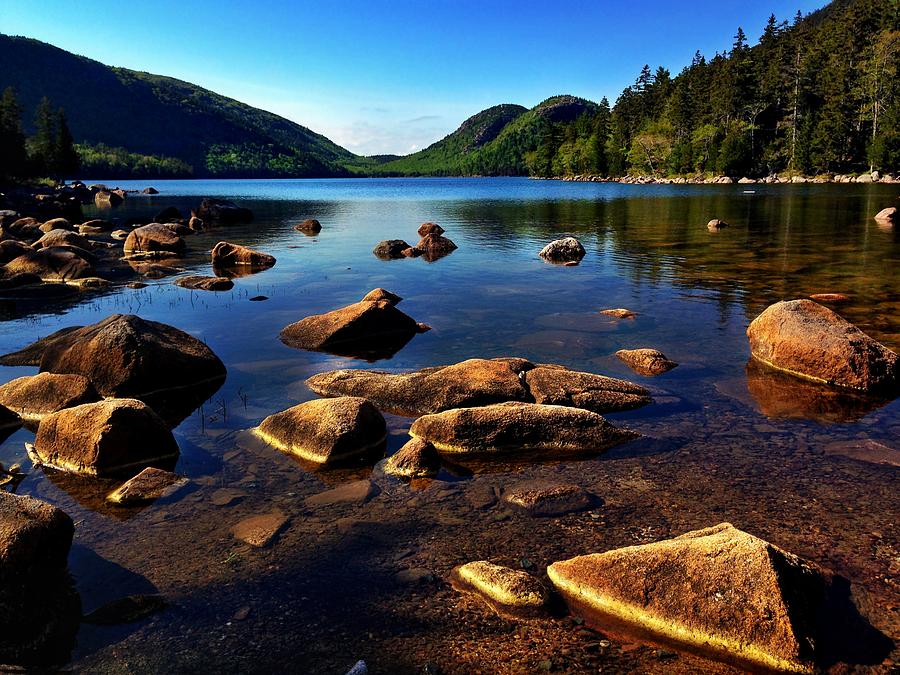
[[256, 160], [102, 161], [48, 153], [820, 94]]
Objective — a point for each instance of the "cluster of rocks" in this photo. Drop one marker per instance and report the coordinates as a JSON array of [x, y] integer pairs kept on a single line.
[[700, 179], [432, 245], [58, 256]]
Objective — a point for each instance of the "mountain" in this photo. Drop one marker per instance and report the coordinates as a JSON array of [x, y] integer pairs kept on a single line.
[[161, 116], [492, 142]]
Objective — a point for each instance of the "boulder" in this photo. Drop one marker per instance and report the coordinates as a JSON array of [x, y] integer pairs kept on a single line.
[[648, 362], [201, 283], [107, 438], [106, 199], [57, 263], [467, 384], [180, 228], [95, 226], [26, 229], [12, 249], [477, 382], [808, 340], [56, 224], [377, 294], [366, 329], [196, 224], [390, 249], [435, 246], [718, 590], [326, 431], [59, 237], [538, 498], [356, 492], [715, 225], [153, 237], [510, 593], [149, 485], [548, 431], [39, 609], [888, 215], [230, 255], [568, 249], [13, 281], [34, 396], [309, 226], [598, 393], [430, 228], [416, 459], [125, 356], [119, 235], [149, 191], [222, 212]]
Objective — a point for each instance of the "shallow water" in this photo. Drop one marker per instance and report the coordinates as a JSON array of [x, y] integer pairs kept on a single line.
[[727, 441]]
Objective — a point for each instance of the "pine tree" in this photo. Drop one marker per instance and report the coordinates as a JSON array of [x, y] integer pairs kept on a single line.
[[42, 146], [66, 161], [13, 157]]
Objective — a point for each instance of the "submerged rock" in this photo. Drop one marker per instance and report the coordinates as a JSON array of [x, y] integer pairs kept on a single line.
[[547, 431], [366, 329], [538, 498], [34, 396], [260, 531], [105, 439], [416, 459], [222, 212], [201, 283], [154, 238], [509, 592], [309, 226], [125, 356], [717, 589], [619, 313], [829, 297], [39, 609], [477, 382], [568, 249], [808, 340], [226, 255], [390, 249], [326, 431], [355, 492], [149, 485], [647, 362]]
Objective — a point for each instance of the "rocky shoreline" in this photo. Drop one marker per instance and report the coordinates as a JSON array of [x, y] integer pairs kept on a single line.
[[785, 179], [102, 410]]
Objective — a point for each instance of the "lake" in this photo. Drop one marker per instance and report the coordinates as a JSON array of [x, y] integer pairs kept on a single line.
[[814, 473]]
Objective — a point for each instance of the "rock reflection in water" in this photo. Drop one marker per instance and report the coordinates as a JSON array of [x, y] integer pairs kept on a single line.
[[780, 395]]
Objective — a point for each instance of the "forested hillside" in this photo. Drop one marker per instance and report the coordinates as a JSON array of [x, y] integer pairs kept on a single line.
[[118, 115]]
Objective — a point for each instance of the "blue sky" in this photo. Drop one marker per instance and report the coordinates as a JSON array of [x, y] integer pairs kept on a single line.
[[394, 76]]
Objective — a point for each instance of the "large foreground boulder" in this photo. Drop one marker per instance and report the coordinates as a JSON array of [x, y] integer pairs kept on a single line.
[[326, 431], [478, 382], [39, 609], [34, 396], [225, 255], [719, 589], [107, 438], [153, 238], [547, 431], [222, 212], [125, 356], [808, 340], [369, 329]]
